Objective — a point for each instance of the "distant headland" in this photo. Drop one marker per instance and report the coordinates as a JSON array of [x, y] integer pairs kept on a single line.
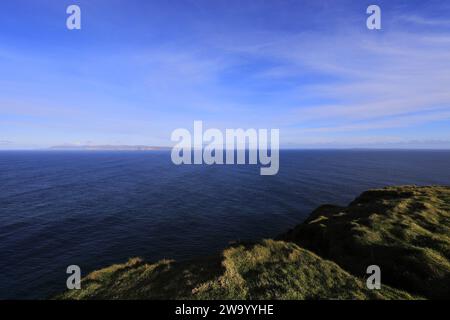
[[109, 147]]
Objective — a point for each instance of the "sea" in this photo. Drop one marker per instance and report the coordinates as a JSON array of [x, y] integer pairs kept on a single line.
[[97, 208]]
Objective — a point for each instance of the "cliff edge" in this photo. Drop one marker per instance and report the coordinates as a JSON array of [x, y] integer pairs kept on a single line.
[[404, 230]]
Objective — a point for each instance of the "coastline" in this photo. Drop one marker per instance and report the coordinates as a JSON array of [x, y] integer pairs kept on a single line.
[[325, 257]]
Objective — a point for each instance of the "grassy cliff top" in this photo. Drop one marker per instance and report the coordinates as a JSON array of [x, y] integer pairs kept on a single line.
[[404, 230], [266, 270]]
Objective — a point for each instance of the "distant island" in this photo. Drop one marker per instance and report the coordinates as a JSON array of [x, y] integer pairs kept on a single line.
[[109, 147], [404, 230]]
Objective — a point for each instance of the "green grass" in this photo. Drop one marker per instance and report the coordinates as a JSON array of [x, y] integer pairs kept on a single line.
[[404, 230], [266, 270]]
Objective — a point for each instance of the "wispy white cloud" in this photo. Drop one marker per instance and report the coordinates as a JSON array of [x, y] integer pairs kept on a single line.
[[312, 84], [402, 121], [372, 77], [428, 21]]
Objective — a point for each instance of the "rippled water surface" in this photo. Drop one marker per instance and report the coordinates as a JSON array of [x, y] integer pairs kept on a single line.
[[97, 208]]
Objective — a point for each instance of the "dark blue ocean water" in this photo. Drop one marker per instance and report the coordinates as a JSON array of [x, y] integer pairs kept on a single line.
[[97, 208]]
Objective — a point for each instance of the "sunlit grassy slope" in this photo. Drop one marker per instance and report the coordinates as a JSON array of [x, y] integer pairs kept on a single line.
[[270, 269], [404, 230]]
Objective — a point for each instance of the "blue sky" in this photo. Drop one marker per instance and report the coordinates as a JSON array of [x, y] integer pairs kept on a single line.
[[137, 70]]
